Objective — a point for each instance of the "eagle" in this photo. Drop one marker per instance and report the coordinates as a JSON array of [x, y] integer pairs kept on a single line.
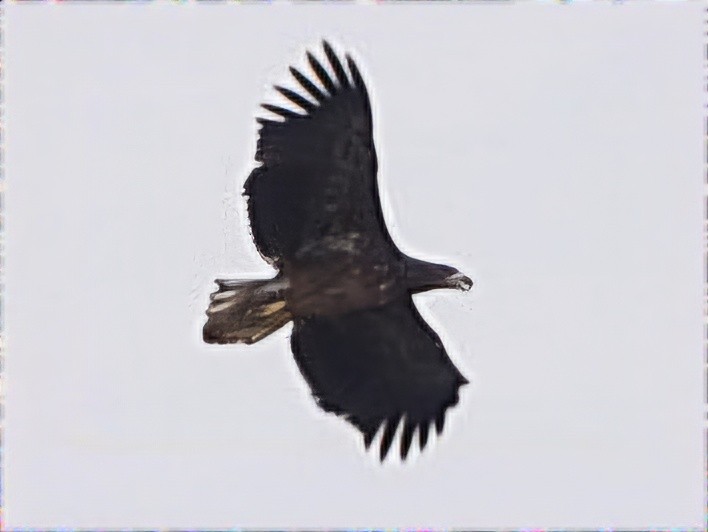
[[315, 216]]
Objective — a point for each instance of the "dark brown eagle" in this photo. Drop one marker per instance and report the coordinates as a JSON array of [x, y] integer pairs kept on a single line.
[[315, 215]]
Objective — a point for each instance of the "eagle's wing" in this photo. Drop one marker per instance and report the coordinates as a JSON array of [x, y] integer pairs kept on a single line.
[[376, 366], [318, 171]]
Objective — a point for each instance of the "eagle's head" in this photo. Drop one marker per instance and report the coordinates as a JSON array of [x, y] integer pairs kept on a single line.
[[422, 276]]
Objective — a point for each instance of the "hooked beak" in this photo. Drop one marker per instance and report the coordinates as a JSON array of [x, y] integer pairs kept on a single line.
[[459, 281]]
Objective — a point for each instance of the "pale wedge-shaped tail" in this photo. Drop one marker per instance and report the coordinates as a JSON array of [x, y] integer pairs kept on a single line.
[[246, 311]]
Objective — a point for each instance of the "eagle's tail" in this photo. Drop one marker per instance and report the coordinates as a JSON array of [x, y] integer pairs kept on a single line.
[[246, 311]]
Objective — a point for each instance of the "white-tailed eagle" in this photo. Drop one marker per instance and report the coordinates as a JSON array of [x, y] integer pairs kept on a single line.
[[315, 215]]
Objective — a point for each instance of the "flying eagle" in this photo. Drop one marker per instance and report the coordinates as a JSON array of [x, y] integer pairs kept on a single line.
[[315, 215]]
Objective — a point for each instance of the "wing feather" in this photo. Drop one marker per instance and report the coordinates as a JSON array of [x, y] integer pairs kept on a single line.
[[336, 65], [406, 438], [440, 422], [378, 366], [321, 74], [281, 111], [356, 75], [423, 435], [388, 435], [298, 100], [306, 84], [318, 170]]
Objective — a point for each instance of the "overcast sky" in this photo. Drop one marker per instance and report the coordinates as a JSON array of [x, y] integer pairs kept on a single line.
[[551, 152]]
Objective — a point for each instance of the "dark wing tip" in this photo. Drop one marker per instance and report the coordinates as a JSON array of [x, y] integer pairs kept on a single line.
[[280, 111], [306, 84], [266, 122], [336, 64], [423, 435], [387, 438], [440, 422], [354, 70], [295, 98], [321, 73], [369, 435], [406, 439]]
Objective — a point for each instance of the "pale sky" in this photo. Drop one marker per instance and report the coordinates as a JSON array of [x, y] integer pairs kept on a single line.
[[551, 152]]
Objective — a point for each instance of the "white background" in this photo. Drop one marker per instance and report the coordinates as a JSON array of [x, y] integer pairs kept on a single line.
[[551, 152]]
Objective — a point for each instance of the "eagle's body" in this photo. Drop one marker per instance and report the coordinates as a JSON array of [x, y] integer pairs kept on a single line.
[[343, 274], [316, 216]]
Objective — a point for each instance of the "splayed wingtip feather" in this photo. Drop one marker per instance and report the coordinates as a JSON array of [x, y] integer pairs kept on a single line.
[[440, 422], [423, 435], [336, 64], [321, 74], [281, 111], [388, 435], [295, 98], [307, 84], [406, 439]]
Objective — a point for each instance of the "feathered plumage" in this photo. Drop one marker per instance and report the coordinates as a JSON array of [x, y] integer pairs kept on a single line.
[[315, 214]]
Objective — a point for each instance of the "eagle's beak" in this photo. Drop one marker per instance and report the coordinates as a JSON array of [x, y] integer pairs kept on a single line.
[[460, 281]]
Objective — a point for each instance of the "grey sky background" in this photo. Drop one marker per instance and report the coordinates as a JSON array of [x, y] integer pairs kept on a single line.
[[552, 152]]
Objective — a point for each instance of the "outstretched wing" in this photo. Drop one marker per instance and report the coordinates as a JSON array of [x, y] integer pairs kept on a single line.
[[318, 171], [377, 366]]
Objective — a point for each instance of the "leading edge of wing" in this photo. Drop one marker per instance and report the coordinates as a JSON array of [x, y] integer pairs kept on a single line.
[[379, 367]]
